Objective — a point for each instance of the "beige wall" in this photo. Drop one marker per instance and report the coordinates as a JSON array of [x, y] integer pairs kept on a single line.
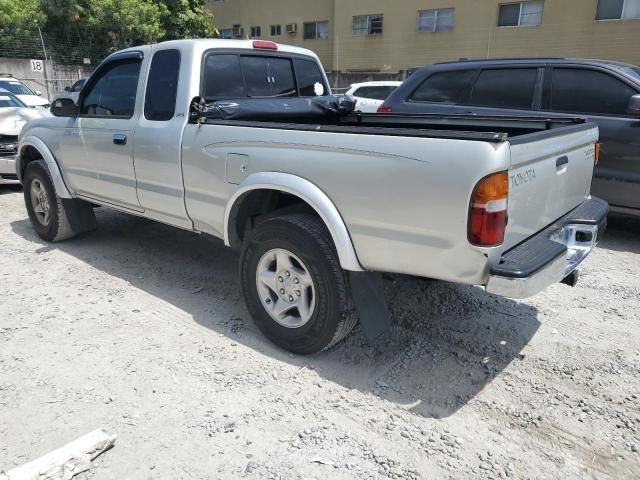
[[272, 12], [568, 28]]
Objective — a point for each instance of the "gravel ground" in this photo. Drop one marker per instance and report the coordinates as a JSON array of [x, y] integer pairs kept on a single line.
[[140, 329]]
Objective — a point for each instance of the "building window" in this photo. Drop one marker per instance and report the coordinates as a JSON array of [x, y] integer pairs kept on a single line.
[[367, 25], [255, 32], [225, 33], [439, 20], [520, 14], [276, 30], [316, 30], [617, 9]]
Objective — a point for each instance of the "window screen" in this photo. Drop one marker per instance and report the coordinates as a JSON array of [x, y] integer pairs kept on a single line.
[[588, 91], [162, 86], [508, 88], [445, 87], [113, 93], [435, 20], [310, 78], [223, 77], [509, 15]]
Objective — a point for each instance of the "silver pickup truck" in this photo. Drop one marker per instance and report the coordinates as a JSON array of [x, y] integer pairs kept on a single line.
[[242, 140]]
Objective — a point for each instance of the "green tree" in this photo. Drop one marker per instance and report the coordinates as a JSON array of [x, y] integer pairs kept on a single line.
[[20, 14], [77, 29], [187, 19]]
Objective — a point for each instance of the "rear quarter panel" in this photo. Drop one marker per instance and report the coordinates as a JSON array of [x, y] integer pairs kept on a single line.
[[404, 200]]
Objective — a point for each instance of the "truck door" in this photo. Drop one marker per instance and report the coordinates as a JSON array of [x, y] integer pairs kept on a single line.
[[106, 122], [158, 140]]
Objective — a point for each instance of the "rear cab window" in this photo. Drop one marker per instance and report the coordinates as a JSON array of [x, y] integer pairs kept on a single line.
[[253, 75]]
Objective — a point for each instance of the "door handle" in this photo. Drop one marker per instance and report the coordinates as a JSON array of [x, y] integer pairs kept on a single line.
[[119, 139], [560, 161]]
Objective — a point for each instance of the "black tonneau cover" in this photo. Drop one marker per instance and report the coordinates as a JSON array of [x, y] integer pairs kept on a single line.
[[335, 114]]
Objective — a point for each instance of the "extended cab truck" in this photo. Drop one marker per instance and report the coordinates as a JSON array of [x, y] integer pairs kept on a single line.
[[317, 204]]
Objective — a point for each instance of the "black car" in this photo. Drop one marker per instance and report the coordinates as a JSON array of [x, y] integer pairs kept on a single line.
[[606, 92]]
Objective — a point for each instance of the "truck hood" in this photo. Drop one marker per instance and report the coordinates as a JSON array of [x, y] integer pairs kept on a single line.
[[12, 119], [33, 100]]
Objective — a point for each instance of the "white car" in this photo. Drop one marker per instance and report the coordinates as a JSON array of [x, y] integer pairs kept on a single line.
[[13, 115], [23, 92], [370, 95]]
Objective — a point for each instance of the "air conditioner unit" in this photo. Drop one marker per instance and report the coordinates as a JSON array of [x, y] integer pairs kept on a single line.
[[292, 28], [238, 31]]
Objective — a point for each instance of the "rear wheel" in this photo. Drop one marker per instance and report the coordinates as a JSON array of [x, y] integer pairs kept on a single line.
[[294, 286]]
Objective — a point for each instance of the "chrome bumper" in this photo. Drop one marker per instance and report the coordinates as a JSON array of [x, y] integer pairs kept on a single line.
[[551, 255]]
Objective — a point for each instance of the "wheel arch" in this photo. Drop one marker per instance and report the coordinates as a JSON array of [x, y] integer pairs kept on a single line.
[[33, 148], [307, 193]]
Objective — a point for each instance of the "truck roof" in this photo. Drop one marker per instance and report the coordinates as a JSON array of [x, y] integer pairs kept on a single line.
[[201, 45]]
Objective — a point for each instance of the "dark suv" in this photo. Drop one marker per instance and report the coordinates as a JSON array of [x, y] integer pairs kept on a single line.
[[607, 93]]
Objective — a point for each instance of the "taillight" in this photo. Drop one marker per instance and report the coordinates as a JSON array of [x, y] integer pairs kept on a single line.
[[265, 44], [596, 158], [488, 210], [384, 110]]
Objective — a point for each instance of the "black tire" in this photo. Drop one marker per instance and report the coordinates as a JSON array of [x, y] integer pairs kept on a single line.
[[57, 226], [334, 315]]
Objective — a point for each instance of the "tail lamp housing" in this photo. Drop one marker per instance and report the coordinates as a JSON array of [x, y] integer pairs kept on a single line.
[[488, 210]]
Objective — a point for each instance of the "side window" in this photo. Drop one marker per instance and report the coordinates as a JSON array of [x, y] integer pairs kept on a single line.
[[310, 78], [589, 91], [113, 93], [223, 77], [445, 87], [162, 86], [505, 88], [373, 93]]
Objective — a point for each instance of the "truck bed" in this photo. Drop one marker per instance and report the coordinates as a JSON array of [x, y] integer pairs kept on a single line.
[[326, 114]]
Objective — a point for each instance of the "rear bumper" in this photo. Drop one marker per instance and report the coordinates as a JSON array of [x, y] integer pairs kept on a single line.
[[552, 254]]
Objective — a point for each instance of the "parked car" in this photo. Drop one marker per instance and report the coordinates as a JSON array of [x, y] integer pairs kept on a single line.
[[607, 93], [370, 95], [13, 115], [315, 198], [23, 92]]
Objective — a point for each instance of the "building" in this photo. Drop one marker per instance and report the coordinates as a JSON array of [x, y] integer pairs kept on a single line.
[[385, 38]]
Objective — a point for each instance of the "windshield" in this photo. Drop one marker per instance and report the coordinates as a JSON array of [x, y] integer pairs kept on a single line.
[[16, 87], [9, 101]]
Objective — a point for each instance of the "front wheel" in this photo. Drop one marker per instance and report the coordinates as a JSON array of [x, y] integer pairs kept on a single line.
[[53, 218], [294, 286]]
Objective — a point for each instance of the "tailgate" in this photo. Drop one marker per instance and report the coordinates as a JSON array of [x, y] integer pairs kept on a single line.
[[550, 175]]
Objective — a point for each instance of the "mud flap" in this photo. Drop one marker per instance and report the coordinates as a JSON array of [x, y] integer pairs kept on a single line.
[[367, 292], [80, 214]]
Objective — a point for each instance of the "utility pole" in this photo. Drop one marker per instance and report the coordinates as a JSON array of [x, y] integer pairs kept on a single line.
[[44, 49]]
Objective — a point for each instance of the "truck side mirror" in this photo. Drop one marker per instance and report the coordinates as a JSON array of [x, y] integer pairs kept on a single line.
[[67, 89], [64, 107], [633, 108], [38, 93]]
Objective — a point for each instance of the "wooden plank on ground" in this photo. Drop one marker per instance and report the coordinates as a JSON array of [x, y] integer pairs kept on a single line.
[[66, 462]]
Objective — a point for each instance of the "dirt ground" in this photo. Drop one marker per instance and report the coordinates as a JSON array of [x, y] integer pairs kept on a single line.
[[140, 329]]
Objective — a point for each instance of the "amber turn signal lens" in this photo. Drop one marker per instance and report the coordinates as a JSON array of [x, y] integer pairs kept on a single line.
[[488, 210], [596, 158]]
